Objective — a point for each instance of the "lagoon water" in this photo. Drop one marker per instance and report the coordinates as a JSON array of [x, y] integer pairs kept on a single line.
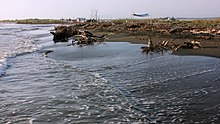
[[103, 83]]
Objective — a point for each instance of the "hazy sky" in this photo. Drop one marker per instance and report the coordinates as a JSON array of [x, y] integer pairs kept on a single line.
[[19, 9]]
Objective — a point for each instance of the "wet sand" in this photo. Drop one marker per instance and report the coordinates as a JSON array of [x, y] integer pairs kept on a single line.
[[211, 48], [139, 32], [211, 52]]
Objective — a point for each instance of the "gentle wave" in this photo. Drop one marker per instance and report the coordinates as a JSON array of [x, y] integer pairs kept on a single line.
[[19, 49], [3, 66], [13, 44], [21, 46], [99, 77], [186, 76], [123, 86]]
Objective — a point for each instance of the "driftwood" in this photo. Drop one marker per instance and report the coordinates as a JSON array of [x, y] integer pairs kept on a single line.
[[169, 45], [189, 45], [82, 39], [64, 33]]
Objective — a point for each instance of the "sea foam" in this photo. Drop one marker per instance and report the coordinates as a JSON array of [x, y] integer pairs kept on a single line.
[[3, 65]]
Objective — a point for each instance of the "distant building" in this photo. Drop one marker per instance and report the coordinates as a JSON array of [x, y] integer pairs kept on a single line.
[[80, 19], [62, 20]]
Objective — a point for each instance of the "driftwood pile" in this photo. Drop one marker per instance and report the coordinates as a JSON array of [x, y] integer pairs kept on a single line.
[[79, 37], [64, 33], [169, 45], [172, 29]]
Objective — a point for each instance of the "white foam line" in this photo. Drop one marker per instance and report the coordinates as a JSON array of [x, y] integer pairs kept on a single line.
[[3, 66], [186, 76], [98, 77], [141, 62]]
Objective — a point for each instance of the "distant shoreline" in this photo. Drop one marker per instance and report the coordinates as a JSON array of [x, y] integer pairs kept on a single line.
[[62, 21], [203, 18]]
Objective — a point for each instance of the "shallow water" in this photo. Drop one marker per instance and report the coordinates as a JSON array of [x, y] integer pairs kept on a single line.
[[103, 83]]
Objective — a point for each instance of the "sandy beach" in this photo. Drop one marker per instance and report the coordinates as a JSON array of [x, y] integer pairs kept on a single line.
[[211, 48], [207, 32], [178, 32]]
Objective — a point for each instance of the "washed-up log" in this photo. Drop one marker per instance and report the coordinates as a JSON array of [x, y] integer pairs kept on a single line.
[[62, 33], [168, 45], [88, 40], [189, 45], [149, 47]]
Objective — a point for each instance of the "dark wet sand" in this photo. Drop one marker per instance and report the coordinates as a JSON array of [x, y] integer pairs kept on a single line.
[[211, 52], [211, 48]]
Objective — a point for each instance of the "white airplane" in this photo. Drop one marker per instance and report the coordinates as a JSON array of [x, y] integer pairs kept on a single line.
[[141, 15]]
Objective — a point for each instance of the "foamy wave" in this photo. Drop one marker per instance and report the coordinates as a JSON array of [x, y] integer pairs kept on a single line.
[[21, 46], [199, 73], [99, 77], [15, 47], [3, 65], [187, 75]]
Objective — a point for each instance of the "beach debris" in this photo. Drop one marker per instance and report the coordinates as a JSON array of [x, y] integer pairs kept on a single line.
[[149, 47], [87, 38], [189, 45], [46, 52], [195, 29], [170, 45], [82, 39], [64, 33], [160, 46]]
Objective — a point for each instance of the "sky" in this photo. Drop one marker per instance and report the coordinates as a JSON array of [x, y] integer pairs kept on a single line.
[[109, 9]]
